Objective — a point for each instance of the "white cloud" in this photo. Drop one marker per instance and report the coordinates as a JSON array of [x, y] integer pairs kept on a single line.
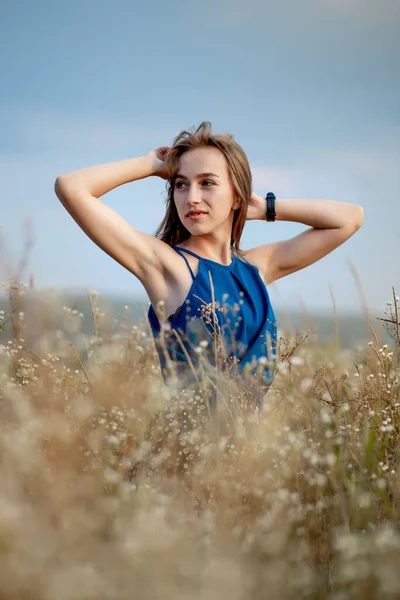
[[283, 182], [383, 162]]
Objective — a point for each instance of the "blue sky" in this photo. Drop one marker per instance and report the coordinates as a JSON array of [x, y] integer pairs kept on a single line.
[[311, 90]]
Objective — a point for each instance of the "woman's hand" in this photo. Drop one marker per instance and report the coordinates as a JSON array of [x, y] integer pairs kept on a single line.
[[256, 208], [157, 156]]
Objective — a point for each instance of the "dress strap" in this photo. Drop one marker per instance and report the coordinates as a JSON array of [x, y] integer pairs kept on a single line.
[[178, 249], [187, 250]]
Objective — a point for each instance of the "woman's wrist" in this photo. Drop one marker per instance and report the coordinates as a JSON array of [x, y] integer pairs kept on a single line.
[[263, 210], [261, 204], [149, 165]]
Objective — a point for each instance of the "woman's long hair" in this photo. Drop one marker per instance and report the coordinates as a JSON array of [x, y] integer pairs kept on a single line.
[[171, 229]]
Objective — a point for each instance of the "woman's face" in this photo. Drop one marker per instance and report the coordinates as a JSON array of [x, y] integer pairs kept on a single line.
[[203, 184]]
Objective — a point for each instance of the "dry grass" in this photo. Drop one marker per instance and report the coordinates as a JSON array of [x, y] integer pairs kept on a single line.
[[112, 486]]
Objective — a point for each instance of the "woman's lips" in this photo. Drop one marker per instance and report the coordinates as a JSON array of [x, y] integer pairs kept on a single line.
[[196, 216]]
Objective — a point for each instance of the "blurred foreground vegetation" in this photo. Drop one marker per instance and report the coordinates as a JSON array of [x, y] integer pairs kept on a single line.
[[113, 486]]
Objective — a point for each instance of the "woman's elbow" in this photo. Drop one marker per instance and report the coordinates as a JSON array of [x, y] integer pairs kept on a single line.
[[359, 217]]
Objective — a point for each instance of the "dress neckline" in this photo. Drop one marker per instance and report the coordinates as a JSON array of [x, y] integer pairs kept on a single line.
[[209, 259]]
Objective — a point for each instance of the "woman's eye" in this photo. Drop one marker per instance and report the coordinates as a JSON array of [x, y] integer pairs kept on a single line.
[[179, 183]]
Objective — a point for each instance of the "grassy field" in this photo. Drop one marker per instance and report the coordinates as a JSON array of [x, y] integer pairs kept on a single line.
[[114, 486]]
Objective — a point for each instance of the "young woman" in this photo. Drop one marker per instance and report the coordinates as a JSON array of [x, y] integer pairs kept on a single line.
[[210, 307]]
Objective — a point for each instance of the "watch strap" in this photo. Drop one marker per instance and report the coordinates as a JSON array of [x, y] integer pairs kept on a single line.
[[270, 214]]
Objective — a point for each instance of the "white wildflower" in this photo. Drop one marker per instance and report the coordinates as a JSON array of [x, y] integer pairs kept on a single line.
[[296, 361], [306, 384], [364, 499], [111, 476], [325, 416], [330, 459], [113, 440]]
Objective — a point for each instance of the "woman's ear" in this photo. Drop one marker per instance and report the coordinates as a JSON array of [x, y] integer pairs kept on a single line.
[[237, 203]]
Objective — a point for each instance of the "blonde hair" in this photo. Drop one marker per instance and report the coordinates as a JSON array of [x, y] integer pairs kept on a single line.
[[171, 230]]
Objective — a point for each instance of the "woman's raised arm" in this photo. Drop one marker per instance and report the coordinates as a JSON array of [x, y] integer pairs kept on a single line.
[[100, 179], [144, 255]]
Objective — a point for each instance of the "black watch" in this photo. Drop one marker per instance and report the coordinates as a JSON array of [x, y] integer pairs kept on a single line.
[[271, 214]]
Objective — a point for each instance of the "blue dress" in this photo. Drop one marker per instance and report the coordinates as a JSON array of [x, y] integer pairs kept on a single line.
[[240, 318]]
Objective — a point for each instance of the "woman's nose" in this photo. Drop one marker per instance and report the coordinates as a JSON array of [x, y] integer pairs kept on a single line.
[[194, 195]]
